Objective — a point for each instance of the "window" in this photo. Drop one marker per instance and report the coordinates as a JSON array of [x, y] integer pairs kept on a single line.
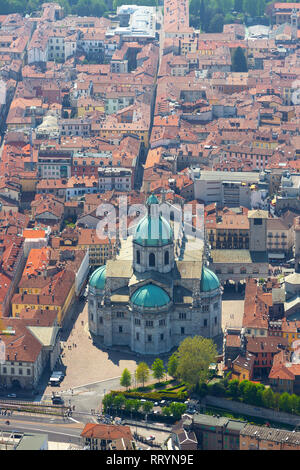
[[138, 257], [182, 330], [138, 336], [182, 316], [161, 336], [149, 338], [149, 323], [162, 322], [120, 314], [120, 329], [257, 221], [152, 259], [167, 260], [216, 320], [4, 370], [205, 323], [137, 321], [20, 371], [101, 320]]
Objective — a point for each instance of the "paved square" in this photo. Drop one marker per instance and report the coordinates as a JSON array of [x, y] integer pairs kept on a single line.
[[85, 363]]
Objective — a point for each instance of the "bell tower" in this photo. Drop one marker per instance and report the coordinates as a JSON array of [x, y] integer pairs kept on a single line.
[[258, 230], [294, 24]]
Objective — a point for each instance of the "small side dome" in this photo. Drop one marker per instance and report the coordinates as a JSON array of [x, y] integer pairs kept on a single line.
[[98, 278], [209, 281], [150, 296]]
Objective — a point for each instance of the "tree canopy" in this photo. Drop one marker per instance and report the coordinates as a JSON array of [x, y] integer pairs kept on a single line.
[[158, 369], [194, 357], [125, 379], [239, 62], [142, 373]]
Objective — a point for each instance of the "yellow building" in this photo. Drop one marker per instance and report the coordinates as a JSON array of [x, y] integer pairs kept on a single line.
[[60, 298], [291, 330], [242, 367], [86, 105]]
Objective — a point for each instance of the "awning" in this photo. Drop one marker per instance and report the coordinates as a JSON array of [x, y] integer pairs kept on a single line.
[[276, 255]]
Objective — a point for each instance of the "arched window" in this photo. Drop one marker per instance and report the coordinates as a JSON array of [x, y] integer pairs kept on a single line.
[[152, 259], [167, 260], [138, 257]]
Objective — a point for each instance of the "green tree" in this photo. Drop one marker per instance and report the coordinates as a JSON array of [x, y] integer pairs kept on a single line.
[[107, 402], [119, 402], [239, 62], [238, 6], [276, 397], [201, 389], [136, 404], [284, 402], [242, 386], [294, 399], [173, 364], [233, 388], [128, 405], [125, 380], [194, 357], [177, 409], [166, 411], [217, 389], [216, 23], [147, 407], [142, 373], [250, 394], [268, 398], [158, 369]]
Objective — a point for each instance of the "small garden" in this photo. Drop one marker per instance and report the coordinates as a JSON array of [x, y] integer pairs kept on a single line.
[[169, 395]]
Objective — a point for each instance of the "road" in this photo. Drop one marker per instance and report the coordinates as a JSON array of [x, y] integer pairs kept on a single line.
[[58, 431]]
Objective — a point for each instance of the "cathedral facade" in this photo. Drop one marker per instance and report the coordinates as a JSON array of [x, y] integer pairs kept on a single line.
[[155, 293]]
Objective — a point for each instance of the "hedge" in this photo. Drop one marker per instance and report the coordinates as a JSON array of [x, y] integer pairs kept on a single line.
[[154, 396]]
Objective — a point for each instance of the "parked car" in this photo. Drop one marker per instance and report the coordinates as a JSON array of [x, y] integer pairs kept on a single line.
[[12, 395], [57, 401]]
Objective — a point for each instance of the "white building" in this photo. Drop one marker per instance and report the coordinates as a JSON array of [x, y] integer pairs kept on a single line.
[[156, 293]]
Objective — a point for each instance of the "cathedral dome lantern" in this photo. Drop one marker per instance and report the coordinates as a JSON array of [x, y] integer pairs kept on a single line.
[[153, 247]]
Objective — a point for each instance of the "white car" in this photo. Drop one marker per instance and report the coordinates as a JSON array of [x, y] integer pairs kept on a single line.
[[12, 395]]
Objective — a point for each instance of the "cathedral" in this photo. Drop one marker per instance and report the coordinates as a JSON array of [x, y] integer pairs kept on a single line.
[[156, 292]]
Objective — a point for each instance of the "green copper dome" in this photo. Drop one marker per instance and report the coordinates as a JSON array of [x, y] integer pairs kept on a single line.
[[98, 277], [209, 280], [153, 231], [150, 296]]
